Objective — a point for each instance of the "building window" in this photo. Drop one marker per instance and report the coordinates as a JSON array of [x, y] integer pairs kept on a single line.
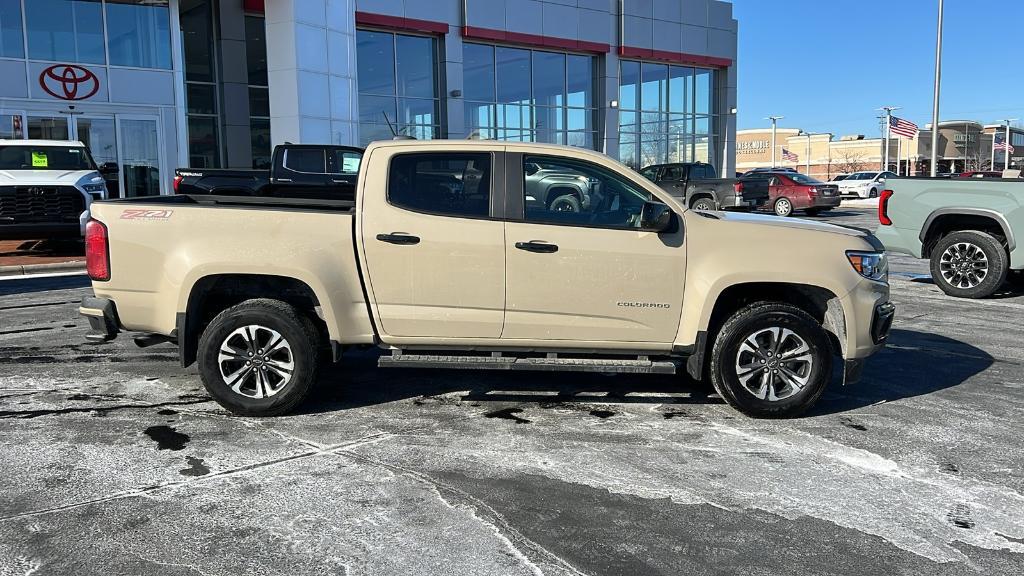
[[664, 114], [259, 93], [529, 95], [65, 30], [138, 33], [397, 81], [201, 92], [11, 42]]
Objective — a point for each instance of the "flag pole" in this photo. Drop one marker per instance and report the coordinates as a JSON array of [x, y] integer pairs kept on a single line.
[[935, 95]]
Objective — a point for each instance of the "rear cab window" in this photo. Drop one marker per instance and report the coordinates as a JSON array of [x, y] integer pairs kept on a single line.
[[444, 183]]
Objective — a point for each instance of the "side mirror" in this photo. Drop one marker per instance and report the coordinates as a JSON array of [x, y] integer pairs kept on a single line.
[[109, 168], [655, 217], [531, 168]]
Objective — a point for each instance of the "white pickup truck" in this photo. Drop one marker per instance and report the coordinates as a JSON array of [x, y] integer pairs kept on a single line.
[[46, 188]]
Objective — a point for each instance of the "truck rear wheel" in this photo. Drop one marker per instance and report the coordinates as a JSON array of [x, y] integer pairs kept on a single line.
[[705, 204], [969, 264], [771, 360], [259, 358]]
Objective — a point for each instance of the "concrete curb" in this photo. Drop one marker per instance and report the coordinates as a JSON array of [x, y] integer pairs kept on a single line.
[[22, 270]]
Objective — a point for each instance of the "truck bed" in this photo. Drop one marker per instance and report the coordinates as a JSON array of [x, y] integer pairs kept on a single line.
[[162, 246]]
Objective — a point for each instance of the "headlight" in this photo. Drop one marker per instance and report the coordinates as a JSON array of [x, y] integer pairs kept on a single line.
[[871, 265], [95, 188]]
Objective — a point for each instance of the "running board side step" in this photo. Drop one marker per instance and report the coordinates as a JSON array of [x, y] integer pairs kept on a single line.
[[552, 363]]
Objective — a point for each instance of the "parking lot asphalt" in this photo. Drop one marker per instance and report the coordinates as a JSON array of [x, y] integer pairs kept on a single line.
[[116, 462]]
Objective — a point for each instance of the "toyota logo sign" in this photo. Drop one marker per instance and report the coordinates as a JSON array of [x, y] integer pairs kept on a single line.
[[69, 82]]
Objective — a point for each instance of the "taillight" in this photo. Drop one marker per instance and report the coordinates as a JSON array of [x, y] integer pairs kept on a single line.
[[738, 188], [177, 181], [97, 251], [883, 208]]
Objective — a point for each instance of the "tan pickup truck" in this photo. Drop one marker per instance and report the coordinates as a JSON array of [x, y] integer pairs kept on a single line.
[[453, 256]]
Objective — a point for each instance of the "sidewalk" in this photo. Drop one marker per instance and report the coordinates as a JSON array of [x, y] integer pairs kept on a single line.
[[18, 257]]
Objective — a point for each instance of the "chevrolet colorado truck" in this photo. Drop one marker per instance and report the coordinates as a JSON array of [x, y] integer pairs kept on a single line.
[[698, 186], [46, 187], [297, 171], [967, 228], [442, 261]]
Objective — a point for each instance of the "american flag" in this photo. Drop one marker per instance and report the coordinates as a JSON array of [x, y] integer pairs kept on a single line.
[[789, 156], [901, 127], [1005, 146]]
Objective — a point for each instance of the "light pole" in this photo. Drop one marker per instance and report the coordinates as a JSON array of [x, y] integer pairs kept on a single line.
[[1006, 143], [935, 97], [774, 120], [807, 157], [888, 122]]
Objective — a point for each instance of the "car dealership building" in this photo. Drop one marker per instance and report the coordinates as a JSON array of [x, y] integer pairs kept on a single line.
[[155, 84]]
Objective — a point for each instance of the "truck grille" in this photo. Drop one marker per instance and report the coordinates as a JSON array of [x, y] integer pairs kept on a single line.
[[31, 204]]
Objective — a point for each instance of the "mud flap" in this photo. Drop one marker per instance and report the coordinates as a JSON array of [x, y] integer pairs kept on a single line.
[[852, 371]]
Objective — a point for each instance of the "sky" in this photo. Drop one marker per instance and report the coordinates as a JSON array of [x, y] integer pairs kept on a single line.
[[828, 65]]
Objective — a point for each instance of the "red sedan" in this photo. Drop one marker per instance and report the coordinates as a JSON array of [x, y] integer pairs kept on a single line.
[[789, 191]]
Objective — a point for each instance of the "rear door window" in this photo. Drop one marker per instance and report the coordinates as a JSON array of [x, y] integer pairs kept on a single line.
[[446, 184], [345, 162], [306, 161]]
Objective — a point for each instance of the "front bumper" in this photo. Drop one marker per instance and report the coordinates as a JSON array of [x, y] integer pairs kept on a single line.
[[39, 231], [881, 324], [103, 321]]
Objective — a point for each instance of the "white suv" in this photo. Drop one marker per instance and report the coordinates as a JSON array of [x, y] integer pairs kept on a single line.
[[46, 187], [863, 184]]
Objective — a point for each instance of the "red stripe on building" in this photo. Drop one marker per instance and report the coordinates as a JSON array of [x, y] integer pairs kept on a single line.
[[257, 6], [400, 23], [534, 40], [674, 57]]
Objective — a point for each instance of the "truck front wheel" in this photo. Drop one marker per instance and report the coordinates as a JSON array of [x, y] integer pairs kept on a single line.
[[259, 358], [969, 264], [771, 360]]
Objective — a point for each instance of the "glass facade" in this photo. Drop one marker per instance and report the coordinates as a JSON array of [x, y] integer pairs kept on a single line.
[[529, 95], [259, 93], [134, 33], [138, 33], [12, 43], [201, 94], [397, 78], [664, 114]]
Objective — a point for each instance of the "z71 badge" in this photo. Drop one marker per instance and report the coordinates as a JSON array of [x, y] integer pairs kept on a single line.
[[136, 214]]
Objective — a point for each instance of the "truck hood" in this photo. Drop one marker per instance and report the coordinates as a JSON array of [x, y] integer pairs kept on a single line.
[[48, 177], [780, 222]]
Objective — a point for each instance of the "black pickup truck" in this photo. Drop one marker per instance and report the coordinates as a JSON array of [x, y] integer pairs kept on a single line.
[[697, 184], [315, 171]]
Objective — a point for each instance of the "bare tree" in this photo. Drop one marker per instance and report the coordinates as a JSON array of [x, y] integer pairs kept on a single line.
[[850, 161]]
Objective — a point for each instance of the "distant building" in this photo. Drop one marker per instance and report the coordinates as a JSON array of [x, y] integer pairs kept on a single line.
[[963, 145]]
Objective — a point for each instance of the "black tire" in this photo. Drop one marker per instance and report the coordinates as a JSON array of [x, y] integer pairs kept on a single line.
[[757, 319], [566, 203], [704, 203], [783, 207], [958, 252], [873, 193], [300, 336]]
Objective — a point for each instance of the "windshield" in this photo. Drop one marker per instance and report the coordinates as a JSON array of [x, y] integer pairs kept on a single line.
[[803, 179], [45, 158], [862, 176]]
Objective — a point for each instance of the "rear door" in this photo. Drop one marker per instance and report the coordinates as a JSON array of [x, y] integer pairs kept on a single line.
[[300, 172], [343, 172], [757, 182], [589, 276], [433, 242]]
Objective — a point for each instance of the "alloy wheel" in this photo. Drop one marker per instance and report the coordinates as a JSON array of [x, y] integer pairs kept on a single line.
[[783, 207], [774, 363], [964, 265], [256, 361]]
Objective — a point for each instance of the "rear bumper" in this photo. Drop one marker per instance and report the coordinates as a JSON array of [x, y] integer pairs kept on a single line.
[[103, 321], [826, 202]]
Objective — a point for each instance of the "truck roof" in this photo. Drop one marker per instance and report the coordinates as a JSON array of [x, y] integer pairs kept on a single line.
[[556, 149], [19, 142]]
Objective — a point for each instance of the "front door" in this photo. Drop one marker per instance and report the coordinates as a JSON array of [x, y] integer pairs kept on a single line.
[[432, 243], [589, 274], [99, 134]]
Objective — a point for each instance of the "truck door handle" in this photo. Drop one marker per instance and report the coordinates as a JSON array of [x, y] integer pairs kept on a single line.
[[537, 246], [399, 238], [284, 179]]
